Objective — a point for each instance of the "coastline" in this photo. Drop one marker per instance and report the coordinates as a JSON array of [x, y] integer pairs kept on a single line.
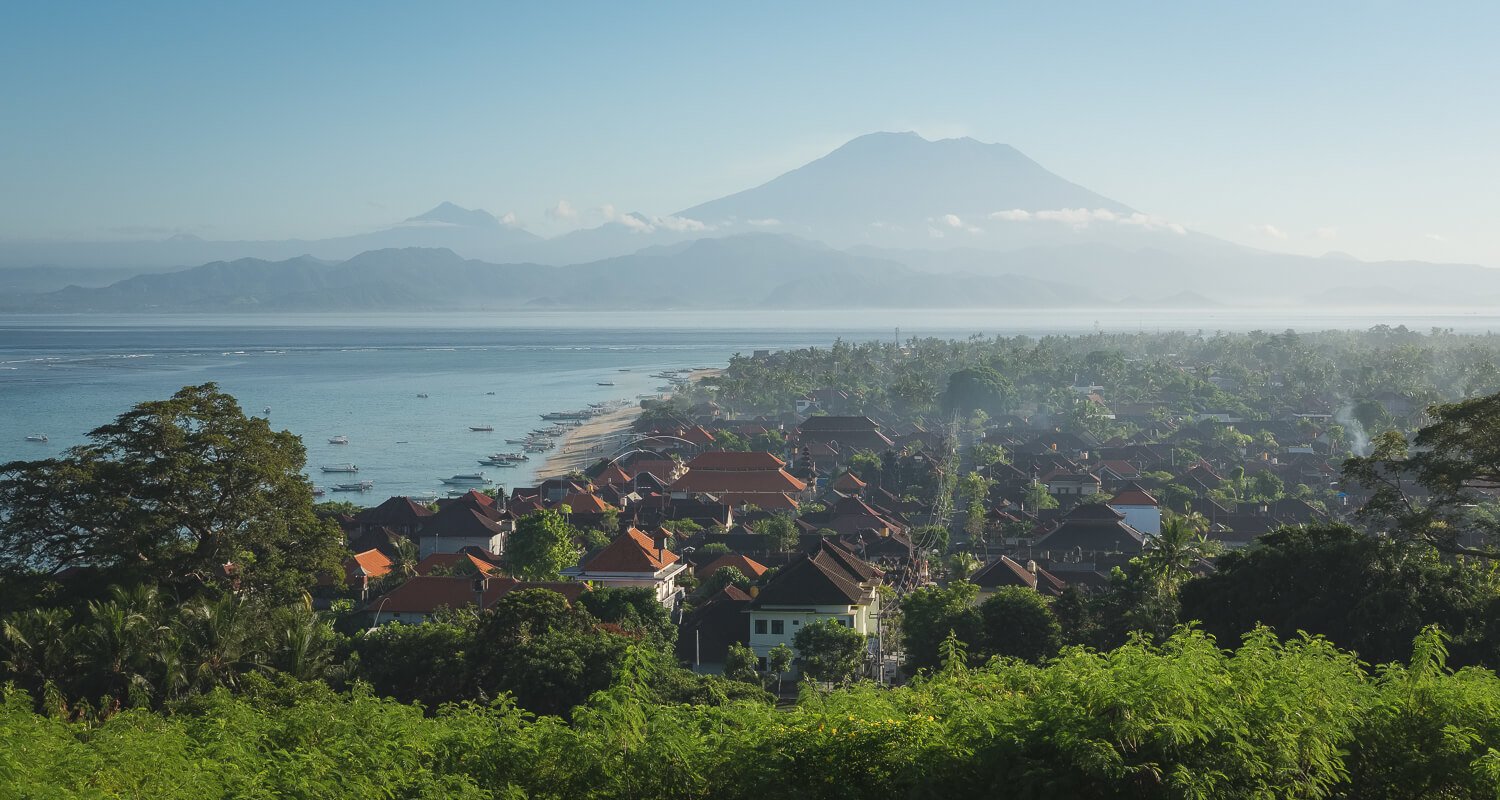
[[598, 438], [587, 443]]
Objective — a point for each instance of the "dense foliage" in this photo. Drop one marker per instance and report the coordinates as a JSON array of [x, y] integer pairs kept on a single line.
[[1265, 371], [1186, 719]]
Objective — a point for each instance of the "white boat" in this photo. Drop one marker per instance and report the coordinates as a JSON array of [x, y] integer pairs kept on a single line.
[[469, 479], [509, 456], [361, 486], [481, 428], [340, 468], [426, 497], [37, 437], [496, 462], [341, 439]]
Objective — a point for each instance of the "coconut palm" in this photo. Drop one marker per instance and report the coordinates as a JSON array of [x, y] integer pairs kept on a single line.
[[1169, 557]]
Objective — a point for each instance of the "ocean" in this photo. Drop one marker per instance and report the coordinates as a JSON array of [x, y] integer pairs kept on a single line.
[[360, 375]]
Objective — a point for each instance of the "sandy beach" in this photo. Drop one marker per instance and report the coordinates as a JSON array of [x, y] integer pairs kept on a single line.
[[598, 438]]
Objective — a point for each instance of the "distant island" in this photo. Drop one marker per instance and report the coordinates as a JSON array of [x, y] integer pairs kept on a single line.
[[888, 220]]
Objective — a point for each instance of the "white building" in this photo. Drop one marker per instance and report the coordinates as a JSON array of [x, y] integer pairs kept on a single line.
[[634, 559], [1141, 510], [830, 583]]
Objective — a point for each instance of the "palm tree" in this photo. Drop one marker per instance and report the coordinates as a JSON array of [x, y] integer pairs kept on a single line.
[[38, 648], [1169, 557], [118, 639]]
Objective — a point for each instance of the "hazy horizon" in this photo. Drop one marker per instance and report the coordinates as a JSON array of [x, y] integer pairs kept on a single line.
[[1297, 129]]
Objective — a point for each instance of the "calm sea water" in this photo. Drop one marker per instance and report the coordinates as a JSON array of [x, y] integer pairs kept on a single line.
[[359, 376]]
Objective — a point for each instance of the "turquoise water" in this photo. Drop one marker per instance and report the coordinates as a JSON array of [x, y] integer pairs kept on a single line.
[[355, 376]]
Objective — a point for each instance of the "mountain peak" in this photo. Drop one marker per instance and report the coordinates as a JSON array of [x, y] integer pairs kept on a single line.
[[900, 188], [447, 213]]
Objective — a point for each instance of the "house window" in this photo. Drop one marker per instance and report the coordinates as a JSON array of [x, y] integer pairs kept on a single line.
[[778, 627], [760, 626]]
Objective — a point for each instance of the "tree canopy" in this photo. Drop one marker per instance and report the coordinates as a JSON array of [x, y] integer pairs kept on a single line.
[[541, 546], [187, 493]]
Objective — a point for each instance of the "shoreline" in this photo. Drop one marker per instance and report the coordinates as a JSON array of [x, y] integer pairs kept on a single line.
[[595, 439], [587, 443]]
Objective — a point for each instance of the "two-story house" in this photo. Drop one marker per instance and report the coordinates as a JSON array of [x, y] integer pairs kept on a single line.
[[827, 583], [633, 558]]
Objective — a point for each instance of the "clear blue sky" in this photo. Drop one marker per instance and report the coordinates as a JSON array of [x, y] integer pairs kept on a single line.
[[1372, 128]]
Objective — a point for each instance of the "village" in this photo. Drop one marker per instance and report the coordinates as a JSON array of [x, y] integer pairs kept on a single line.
[[749, 529]]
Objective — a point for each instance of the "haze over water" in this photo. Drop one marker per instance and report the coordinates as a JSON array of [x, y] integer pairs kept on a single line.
[[329, 375]]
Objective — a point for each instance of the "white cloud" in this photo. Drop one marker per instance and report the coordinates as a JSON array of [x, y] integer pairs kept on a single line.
[[680, 224], [1013, 215], [1436, 237], [563, 210], [952, 221], [643, 224], [1084, 217], [508, 219], [764, 223], [1326, 233], [1270, 230]]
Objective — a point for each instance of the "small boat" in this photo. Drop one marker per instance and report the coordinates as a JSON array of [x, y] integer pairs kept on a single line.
[[469, 479], [498, 462], [623, 369], [340, 468], [517, 441], [360, 486], [318, 492], [339, 440], [428, 497], [509, 456], [37, 437], [606, 383], [422, 395], [268, 410], [482, 428]]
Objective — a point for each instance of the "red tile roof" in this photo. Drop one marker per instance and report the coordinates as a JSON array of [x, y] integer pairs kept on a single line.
[[743, 563], [770, 501], [631, 551], [611, 474], [1133, 496], [426, 594], [585, 503], [848, 482], [723, 460], [369, 564], [451, 560]]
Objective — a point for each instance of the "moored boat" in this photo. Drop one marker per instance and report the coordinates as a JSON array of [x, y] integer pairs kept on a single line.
[[340, 468], [481, 428], [467, 479], [358, 486], [37, 437], [340, 439]]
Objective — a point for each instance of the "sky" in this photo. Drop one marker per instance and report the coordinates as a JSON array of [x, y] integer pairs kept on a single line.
[[1369, 128]]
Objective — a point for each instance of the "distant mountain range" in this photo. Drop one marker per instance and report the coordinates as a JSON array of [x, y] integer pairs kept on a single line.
[[888, 219], [746, 271]]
